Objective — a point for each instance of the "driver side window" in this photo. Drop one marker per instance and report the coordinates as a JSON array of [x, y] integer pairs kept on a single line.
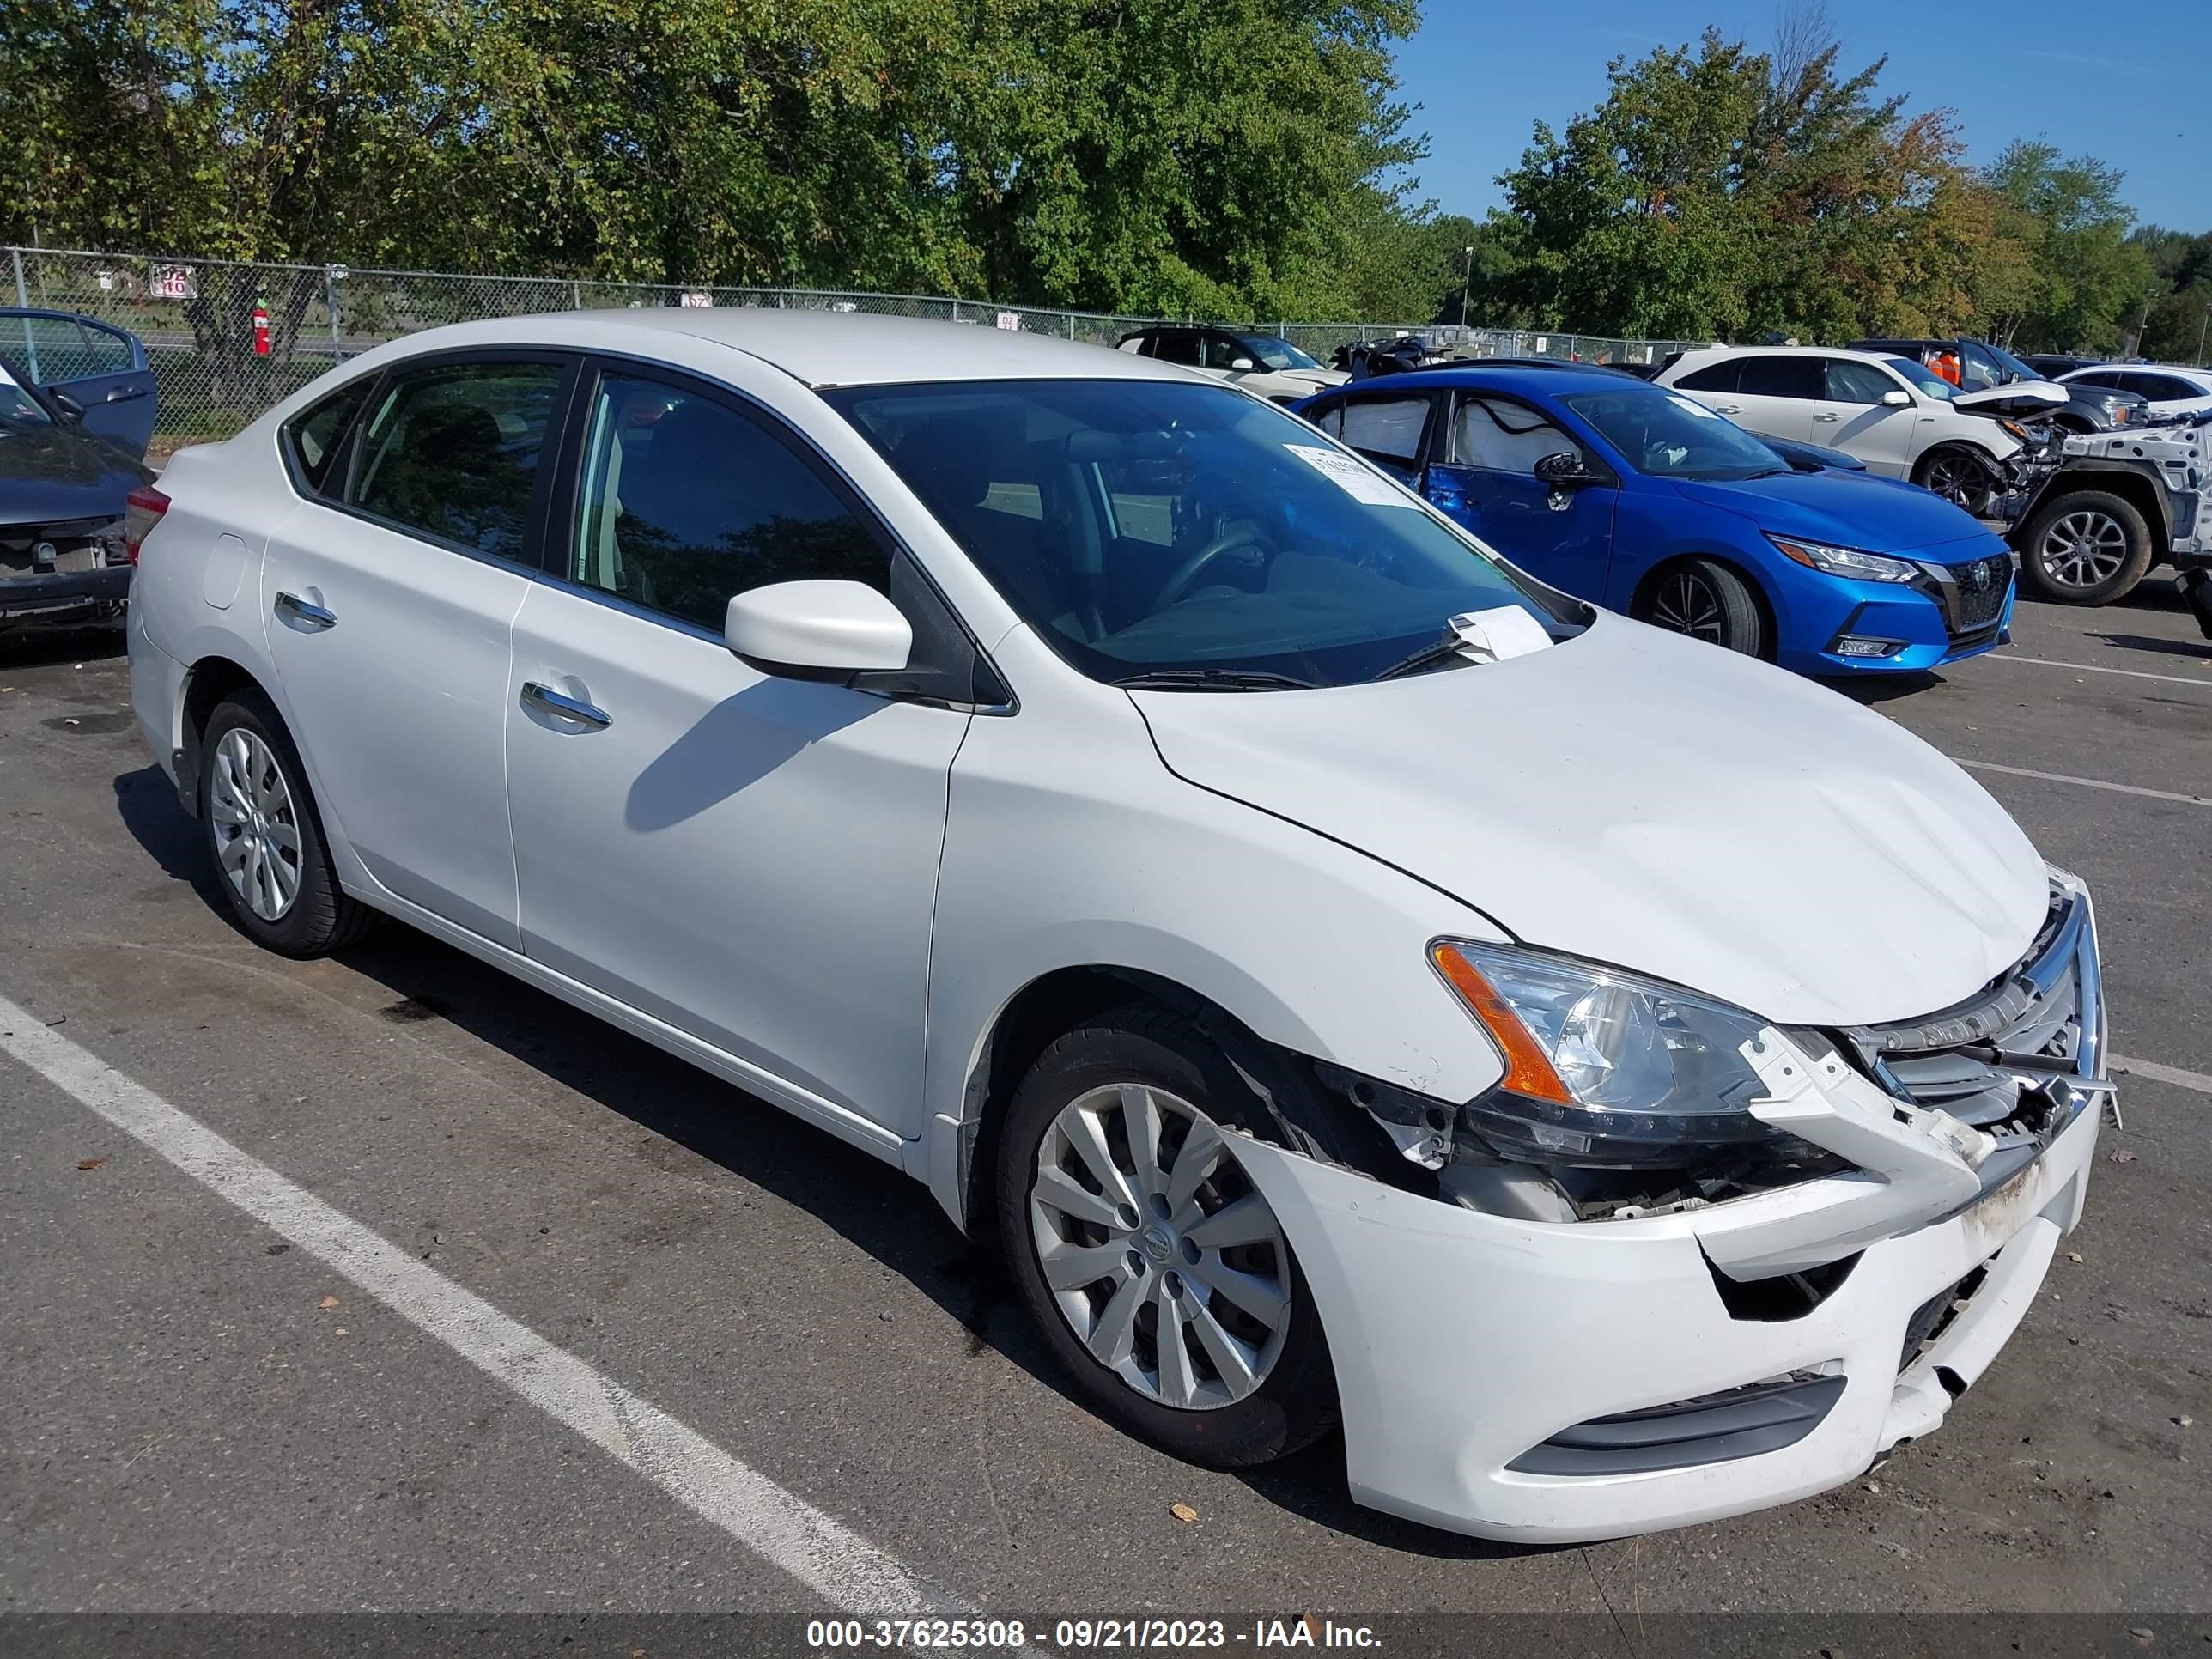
[[1496, 435]]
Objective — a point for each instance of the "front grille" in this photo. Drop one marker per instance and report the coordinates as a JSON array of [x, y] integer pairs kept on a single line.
[[2039, 1019], [1979, 589]]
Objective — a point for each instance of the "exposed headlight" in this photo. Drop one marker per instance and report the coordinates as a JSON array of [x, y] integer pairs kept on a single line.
[[1843, 561], [2119, 413], [1603, 1067]]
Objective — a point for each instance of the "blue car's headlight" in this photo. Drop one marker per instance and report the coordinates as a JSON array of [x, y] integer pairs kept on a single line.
[[1844, 561]]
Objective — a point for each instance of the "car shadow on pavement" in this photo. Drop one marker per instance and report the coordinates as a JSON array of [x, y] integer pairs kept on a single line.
[[2196, 648], [1886, 688]]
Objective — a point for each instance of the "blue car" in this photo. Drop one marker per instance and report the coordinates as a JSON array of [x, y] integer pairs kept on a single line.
[[1639, 499]]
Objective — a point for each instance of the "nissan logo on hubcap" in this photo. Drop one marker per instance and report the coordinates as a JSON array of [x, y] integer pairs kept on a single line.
[[1156, 1244]]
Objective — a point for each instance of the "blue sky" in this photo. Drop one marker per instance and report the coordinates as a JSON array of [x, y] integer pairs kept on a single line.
[[2132, 91]]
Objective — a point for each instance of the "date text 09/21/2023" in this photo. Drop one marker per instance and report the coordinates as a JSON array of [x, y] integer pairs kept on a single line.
[[1086, 1635]]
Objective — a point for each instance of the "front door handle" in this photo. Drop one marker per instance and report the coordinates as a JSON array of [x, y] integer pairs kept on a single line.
[[1827, 418], [539, 695], [307, 610], [1728, 409]]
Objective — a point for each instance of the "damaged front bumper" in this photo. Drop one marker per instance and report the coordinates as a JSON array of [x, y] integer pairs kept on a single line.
[[1564, 1381]]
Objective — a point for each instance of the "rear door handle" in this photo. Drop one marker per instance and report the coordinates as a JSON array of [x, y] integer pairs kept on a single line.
[[1728, 409], [1825, 417], [539, 695], [307, 610]]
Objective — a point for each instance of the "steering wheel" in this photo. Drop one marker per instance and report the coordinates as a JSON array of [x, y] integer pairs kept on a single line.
[[1240, 533]]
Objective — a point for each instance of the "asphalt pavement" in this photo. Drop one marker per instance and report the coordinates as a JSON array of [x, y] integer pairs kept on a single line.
[[789, 1371]]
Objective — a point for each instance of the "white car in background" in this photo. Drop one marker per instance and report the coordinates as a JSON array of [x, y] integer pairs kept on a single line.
[[2171, 391], [1624, 1084], [1895, 415], [1263, 364]]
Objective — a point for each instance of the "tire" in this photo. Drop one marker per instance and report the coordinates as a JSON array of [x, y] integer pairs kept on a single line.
[[1961, 475], [253, 789], [1706, 600], [2085, 547], [1288, 1397]]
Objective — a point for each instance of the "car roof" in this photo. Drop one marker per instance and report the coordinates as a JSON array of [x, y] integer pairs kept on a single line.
[[1713, 354], [1531, 379], [817, 348]]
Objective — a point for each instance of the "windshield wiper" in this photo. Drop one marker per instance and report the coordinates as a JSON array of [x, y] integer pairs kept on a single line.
[[1213, 679], [1434, 655]]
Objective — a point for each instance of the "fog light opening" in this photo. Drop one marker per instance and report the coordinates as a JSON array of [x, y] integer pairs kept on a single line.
[[1864, 648]]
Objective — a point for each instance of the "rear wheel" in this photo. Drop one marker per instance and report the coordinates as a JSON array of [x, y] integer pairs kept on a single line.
[[1708, 601], [264, 837], [1155, 1271], [1960, 476], [2087, 547]]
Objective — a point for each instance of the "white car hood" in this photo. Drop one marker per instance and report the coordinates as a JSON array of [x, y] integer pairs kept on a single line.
[[1656, 803], [2017, 397]]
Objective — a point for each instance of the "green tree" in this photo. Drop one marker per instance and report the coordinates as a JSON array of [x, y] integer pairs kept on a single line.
[[2090, 279]]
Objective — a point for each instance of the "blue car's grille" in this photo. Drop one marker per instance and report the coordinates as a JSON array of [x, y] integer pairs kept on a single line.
[[1978, 588]]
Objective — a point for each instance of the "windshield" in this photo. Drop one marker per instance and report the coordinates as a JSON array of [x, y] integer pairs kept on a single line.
[[17, 406], [1272, 352], [1925, 379], [1664, 435], [1147, 525]]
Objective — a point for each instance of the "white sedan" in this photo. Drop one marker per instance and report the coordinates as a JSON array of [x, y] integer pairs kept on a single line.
[[1624, 1084], [2171, 391]]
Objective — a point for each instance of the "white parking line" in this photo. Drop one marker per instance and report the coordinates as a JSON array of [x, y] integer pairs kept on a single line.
[[2203, 682], [2086, 783], [815, 1548], [2173, 1074]]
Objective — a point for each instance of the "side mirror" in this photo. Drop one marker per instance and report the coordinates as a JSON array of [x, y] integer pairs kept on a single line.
[[1240, 364], [1897, 398], [817, 629], [1564, 470], [72, 410]]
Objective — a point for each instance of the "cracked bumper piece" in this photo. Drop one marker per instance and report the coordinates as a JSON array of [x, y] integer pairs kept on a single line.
[[1550, 1382]]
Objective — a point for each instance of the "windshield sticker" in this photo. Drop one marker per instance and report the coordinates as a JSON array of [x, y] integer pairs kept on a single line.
[[1691, 406], [1351, 477]]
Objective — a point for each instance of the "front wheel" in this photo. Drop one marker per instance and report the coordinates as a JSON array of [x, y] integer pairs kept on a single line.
[[1960, 477], [2087, 547], [1708, 601], [1153, 1268]]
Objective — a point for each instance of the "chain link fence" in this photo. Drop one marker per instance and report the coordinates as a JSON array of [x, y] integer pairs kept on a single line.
[[226, 339]]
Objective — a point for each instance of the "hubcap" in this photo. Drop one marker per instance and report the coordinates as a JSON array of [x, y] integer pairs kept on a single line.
[[1164, 1261], [1955, 481], [1688, 605], [2083, 549], [257, 832]]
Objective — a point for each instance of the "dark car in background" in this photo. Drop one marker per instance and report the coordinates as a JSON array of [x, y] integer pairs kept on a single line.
[[65, 556], [1978, 366], [2052, 364], [95, 366]]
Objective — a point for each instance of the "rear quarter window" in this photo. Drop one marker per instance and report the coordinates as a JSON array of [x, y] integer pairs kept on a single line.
[[314, 438]]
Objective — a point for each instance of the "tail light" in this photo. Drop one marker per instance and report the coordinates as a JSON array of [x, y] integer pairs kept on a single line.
[[142, 510]]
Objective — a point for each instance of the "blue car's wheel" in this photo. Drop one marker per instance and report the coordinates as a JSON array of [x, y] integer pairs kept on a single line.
[[1708, 601]]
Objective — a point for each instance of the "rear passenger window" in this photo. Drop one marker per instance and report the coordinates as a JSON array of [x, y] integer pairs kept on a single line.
[[1389, 427], [1780, 377], [452, 451], [313, 438], [686, 502], [1713, 377]]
